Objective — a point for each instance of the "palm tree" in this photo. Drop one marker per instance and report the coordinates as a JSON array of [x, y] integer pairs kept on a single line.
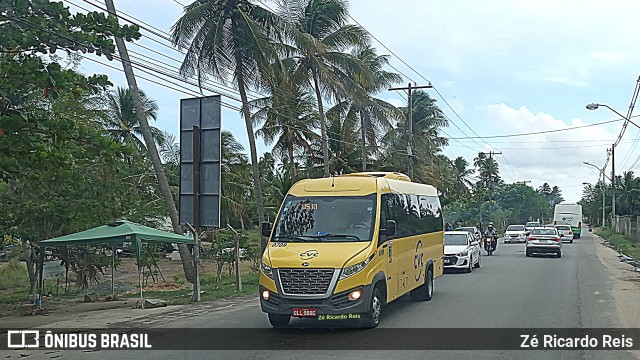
[[488, 171], [462, 172], [319, 37], [288, 116], [343, 142], [374, 115], [123, 124], [235, 178], [427, 143], [229, 41], [628, 192]]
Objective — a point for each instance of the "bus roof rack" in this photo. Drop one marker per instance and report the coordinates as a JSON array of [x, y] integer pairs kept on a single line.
[[382, 174]]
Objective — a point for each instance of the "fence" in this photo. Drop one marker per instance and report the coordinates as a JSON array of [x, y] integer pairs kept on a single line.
[[627, 225]]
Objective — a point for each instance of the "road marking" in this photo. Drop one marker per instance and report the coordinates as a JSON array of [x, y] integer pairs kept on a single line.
[[597, 293]]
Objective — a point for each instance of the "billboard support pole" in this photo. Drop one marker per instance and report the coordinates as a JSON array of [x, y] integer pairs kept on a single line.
[[196, 211]]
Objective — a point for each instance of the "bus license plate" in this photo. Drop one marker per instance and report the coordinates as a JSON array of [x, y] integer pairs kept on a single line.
[[305, 312]]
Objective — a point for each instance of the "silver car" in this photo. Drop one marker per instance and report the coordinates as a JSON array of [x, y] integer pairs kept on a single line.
[[544, 240]]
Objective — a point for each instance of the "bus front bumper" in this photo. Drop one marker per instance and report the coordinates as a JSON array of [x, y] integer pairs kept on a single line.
[[337, 304]]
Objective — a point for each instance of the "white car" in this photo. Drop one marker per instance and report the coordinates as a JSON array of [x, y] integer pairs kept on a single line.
[[515, 233], [461, 251], [566, 231]]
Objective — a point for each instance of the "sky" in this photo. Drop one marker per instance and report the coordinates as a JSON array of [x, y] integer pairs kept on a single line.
[[503, 66]]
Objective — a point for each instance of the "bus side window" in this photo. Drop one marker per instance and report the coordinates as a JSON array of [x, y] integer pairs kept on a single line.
[[384, 216]]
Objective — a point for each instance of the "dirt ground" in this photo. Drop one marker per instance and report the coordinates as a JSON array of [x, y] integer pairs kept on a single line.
[[128, 272], [75, 313], [626, 287]]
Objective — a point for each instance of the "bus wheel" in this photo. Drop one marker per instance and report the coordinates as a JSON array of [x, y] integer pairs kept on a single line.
[[425, 291], [279, 320], [372, 318]]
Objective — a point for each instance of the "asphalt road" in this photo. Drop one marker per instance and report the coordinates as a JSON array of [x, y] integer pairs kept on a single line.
[[539, 292]]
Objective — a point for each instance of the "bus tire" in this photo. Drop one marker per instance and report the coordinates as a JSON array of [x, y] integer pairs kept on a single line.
[[425, 291], [371, 319]]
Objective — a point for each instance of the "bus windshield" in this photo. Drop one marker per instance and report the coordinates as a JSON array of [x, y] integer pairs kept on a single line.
[[326, 219]]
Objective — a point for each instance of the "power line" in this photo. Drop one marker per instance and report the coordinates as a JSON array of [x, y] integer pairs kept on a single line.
[[547, 131]]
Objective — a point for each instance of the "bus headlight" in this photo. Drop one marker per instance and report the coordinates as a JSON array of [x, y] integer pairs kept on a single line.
[[354, 269], [266, 269]]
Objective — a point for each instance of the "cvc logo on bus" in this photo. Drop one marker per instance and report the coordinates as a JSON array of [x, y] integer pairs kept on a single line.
[[418, 260]]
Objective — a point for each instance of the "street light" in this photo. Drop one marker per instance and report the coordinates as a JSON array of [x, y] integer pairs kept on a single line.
[[595, 106], [603, 192]]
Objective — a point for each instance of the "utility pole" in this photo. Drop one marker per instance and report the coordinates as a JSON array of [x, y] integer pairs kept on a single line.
[[613, 184], [491, 153], [603, 198], [409, 88]]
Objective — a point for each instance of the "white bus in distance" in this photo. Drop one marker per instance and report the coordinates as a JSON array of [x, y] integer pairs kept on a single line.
[[569, 214]]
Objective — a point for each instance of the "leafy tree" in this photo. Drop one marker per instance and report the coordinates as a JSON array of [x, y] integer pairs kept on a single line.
[[31, 30]]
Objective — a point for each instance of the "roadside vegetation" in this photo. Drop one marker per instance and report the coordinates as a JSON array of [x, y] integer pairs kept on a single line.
[[622, 242]]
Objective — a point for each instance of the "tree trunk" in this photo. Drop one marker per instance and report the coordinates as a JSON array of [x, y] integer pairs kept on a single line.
[[31, 269], [294, 171], [323, 127], [185, 255], [363, 131], [252, 143]]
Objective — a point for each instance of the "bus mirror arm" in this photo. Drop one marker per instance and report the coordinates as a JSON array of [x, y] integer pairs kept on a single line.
[[390, 229], [266, 229]]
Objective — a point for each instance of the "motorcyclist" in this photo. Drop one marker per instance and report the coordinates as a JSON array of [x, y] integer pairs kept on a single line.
[[493, 234]]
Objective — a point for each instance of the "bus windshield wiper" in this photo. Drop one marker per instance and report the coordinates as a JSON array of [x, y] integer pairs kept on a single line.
[[347, 236], [296, 238]]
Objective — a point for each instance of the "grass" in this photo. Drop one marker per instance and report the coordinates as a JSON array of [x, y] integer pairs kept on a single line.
[[14, 282], [226, 289], [622, 242]]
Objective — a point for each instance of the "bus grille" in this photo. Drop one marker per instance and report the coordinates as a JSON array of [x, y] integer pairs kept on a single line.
[[305, 281]]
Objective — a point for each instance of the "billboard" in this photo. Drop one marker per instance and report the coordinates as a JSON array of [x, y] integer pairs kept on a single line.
[[200, 158]]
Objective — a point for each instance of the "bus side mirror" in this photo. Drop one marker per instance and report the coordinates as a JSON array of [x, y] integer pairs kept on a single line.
[[390, 229], [266, 229]]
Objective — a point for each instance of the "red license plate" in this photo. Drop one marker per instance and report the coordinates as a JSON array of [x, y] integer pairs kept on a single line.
[[305, 312]]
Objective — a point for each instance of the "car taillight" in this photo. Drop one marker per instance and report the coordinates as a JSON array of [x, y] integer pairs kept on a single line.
[[570, 232], [557, 239], [531, 238], [580, 224]]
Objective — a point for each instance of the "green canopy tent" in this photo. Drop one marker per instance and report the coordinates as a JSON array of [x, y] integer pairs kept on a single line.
[[113, 233]]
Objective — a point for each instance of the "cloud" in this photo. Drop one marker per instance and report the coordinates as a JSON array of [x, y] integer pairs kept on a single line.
[[609, 57], [566, 81], [557, 157]]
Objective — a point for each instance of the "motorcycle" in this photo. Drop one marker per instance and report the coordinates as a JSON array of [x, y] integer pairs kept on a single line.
[[490, 245]]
